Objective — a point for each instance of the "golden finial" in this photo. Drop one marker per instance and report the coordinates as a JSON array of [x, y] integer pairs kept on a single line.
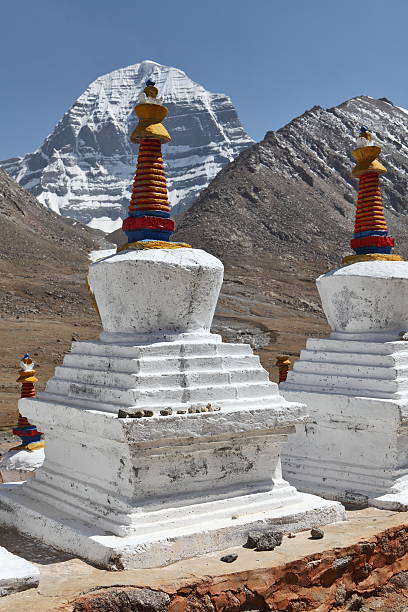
[[150, 113], [366, 155]]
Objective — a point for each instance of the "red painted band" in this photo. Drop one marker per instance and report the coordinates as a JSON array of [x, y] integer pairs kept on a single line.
[[372, 241], [135, 223]]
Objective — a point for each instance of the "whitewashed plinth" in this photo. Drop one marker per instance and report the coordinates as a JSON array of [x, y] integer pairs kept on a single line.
[[355, 384], [16, 574], [142, 492]]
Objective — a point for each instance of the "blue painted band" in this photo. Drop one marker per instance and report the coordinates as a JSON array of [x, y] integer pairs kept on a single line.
[[363, 234], [372, 249], [147, 234], [149, 213]]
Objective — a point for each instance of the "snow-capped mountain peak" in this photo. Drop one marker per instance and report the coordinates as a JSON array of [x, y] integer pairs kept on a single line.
[[84, 167]]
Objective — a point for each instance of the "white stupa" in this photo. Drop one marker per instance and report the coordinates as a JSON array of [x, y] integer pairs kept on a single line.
[[21, 462], [355, 382], [162, 442]]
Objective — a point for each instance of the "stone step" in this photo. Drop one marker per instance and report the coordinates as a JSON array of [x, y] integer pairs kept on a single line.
[[159, 520], [353, 370], [161, 349], [130, 397], [337, 384], [369, 359], [160, 364], [273, 401], [355, 346], [167, 379]]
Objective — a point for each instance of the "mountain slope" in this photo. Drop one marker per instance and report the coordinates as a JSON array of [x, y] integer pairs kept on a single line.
[[282, 213], [292, 193], [43, 295], [84, 168]]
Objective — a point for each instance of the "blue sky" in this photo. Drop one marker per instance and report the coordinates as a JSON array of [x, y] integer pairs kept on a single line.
[[275, 58]]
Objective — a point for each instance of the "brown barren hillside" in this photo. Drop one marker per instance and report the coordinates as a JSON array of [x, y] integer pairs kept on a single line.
[[43, 296], [282, 213]]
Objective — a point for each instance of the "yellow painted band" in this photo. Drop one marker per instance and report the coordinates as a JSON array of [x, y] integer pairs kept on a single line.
[[33, 446], [153, 244], [350, 259]]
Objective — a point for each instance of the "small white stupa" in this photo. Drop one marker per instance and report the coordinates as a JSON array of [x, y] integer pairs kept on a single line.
[[355, 382], [162, 441], [21, 462]]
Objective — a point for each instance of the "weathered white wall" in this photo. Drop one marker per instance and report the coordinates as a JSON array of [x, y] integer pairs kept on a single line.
[[156, 291], [367, 296], [355, 385], [137, 492]]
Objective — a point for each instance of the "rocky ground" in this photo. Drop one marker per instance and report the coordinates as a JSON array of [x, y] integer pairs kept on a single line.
[[361, 564]]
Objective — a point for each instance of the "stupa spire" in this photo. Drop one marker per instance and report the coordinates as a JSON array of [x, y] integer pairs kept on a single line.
[[148, 224], [371, 240]]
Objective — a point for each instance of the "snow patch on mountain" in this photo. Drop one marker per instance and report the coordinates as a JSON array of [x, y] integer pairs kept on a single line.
[[85, 166]]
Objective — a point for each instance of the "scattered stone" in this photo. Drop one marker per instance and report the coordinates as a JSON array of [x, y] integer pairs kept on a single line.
[[400, 580], [128, 598], [191, 410], [263, 540], [367, 547], [355, 602], [204, 409], [316, 533], [137, 415], [181, 411], [269, 541], [253, 538], [122, 414], [148, 413], [341, 564], [166, 412], [229, 558], [291, 535], [341, 595]]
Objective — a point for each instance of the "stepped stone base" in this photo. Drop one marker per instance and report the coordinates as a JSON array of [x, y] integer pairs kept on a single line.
[[355, 446], [287, 510], [140, 492]]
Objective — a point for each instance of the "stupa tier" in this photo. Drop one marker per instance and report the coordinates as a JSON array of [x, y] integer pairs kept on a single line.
[[371, 240], [355, 382], [163, 442]]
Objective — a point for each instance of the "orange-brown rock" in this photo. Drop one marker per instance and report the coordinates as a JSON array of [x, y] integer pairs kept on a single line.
[[374, 570]]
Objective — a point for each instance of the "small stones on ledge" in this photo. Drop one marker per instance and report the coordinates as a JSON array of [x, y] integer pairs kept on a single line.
[[166, 412], [122, 414], [195, 409], [207, 408]]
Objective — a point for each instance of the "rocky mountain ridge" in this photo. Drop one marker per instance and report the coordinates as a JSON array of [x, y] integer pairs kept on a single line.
[[85, 166], [283, 212]]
